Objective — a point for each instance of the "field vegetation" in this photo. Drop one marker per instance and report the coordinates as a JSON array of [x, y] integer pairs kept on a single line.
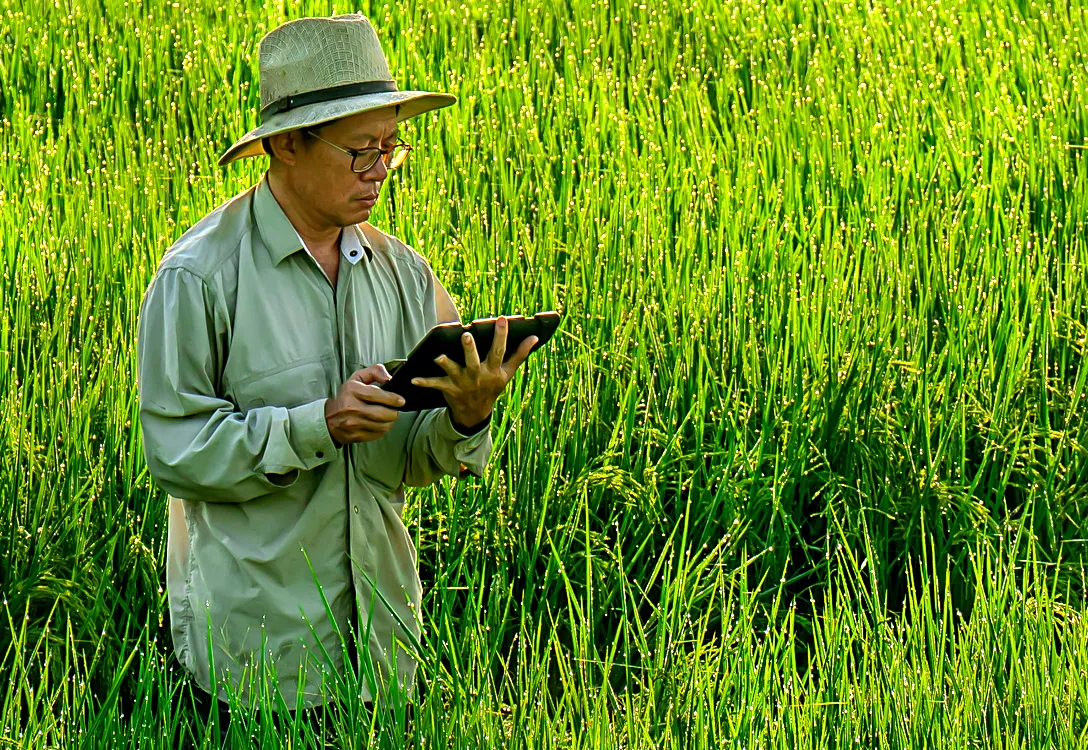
[[806, 465]]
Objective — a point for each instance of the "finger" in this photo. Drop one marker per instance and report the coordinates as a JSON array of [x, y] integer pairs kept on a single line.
[[440, 384], [452, 368], [377, 416], [372, 417], [372, 394], [363, 427], [519, 356], [472, 357], [373, 374], [498, 345]]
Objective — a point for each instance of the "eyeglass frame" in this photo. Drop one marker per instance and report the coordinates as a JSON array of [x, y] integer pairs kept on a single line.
[[355, 154]]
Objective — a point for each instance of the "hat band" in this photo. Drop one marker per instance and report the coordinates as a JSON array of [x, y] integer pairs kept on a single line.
[[328, 94]]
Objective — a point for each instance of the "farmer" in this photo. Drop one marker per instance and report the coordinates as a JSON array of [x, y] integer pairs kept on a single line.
[[260, 342]]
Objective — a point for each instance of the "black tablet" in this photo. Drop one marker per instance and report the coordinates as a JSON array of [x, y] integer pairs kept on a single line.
[[445, 338]]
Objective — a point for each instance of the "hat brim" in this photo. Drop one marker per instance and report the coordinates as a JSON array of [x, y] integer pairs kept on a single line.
[[411, 103]]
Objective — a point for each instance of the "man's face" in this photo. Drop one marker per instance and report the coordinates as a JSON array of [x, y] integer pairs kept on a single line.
[[323, 175]]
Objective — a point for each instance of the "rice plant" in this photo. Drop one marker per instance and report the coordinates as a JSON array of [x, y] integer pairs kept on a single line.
[[805, 464]]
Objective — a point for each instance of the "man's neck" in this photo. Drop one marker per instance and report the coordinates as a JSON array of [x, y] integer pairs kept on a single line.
[[318, 238]]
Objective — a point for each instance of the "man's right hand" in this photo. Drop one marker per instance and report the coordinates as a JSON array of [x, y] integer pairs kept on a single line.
[[360, 412]]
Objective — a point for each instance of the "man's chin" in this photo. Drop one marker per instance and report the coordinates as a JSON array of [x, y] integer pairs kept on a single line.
[[362, 211]]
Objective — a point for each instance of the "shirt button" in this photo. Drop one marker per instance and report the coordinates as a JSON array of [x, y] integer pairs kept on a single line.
[[321, 454], [354, 253], [356, 508]]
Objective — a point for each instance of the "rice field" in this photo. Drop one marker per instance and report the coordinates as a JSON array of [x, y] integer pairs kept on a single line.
[[805, 466]]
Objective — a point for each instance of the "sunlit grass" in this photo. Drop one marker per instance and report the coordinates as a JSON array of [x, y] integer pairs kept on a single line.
[[822, 271]]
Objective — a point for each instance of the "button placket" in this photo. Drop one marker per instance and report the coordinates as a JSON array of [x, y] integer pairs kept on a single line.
[[343, 292]]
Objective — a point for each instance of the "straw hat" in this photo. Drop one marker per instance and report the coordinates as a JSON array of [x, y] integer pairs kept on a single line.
[[314, 70]]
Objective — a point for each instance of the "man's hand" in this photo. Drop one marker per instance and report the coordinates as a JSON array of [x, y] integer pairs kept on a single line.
[[360, 412], [471, 390]]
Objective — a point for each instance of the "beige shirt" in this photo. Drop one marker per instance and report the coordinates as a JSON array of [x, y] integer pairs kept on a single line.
[[241, 339]]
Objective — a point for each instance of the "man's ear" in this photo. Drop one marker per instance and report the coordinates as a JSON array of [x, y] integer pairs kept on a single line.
[[285, 146]]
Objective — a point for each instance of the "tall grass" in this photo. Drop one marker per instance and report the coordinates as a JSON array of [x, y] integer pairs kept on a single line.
[[1010, 675], [822, 271]]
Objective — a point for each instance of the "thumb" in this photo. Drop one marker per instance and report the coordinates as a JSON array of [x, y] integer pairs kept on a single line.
[[373, 374]]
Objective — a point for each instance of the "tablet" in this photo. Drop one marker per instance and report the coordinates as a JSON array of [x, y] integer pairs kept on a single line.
[[445, 338]]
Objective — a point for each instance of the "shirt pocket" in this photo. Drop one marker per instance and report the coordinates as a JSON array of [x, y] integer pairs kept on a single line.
[[295, 384]]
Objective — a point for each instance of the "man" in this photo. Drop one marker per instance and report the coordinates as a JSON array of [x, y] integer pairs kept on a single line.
[[259, 350]]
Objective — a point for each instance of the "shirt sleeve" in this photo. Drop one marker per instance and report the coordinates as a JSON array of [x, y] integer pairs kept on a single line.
[[196, 444], [435, 447]]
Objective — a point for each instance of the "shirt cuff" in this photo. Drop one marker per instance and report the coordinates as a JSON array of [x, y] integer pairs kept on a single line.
[[309, 434], [467, 432], [465, 443], [470, 452]]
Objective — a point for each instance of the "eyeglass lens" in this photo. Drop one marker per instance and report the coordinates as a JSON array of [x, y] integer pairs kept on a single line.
[[392, 160]]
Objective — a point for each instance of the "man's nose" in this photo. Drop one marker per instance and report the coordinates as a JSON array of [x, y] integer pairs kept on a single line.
[[378, 172]]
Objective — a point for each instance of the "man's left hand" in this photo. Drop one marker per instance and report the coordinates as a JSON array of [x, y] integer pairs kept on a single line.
[[471, 390]]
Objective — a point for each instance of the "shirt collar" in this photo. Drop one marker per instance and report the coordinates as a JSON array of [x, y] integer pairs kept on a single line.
[[352, 245], [282, 239]]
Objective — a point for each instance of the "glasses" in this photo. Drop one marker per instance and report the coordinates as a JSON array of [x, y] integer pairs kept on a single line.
[[365, 158]]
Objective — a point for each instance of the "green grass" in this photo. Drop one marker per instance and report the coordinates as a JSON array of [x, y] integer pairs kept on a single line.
[[807, 464]]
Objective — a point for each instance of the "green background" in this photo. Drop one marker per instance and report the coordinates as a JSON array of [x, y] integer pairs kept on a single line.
[[806, 462]]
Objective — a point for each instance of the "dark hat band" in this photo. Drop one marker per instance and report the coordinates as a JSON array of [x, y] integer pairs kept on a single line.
[[328, 94]]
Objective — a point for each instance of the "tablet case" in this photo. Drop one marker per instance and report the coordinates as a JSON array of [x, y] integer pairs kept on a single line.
[[445, 338]]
